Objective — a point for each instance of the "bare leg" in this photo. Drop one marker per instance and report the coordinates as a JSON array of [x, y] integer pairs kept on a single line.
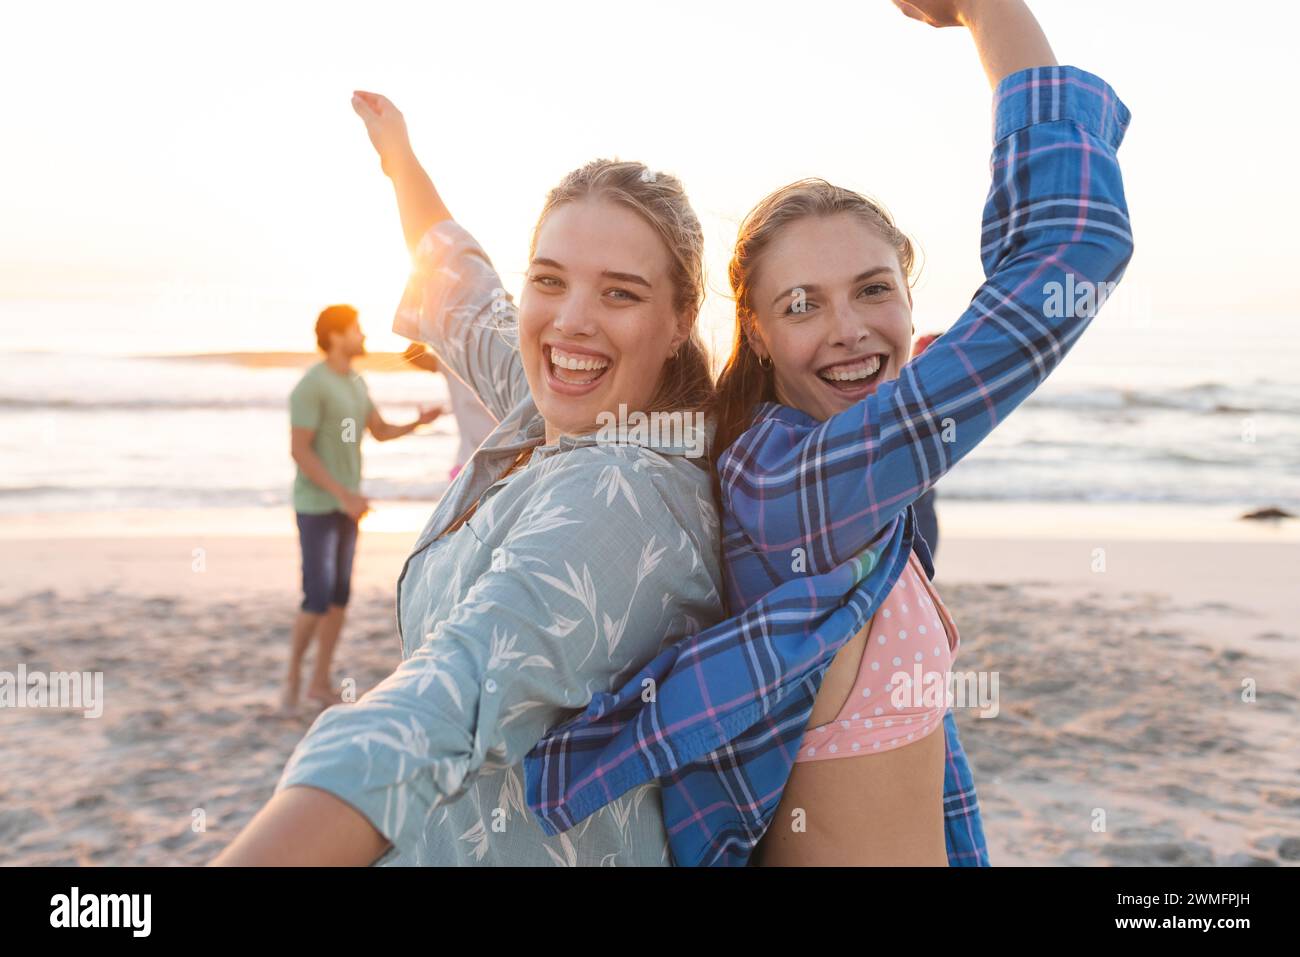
[[304, 626], [321, 687]]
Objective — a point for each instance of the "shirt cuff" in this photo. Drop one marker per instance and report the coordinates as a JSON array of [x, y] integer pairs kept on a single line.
[[1046, 94], [441, 244]]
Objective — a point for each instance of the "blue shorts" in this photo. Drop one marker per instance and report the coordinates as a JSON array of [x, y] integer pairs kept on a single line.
[[328, 543]]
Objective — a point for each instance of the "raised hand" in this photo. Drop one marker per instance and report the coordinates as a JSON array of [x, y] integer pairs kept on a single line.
[[1007, 37], [937, 13], [418, 203], [385, 126]]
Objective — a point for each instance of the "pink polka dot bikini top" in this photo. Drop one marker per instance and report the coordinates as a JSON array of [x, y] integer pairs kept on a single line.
[[912, 633]]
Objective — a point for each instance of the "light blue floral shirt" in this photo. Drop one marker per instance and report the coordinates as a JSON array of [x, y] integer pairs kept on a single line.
[[573, 572]]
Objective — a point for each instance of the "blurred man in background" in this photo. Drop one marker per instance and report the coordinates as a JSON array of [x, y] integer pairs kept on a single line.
[[329, 410]]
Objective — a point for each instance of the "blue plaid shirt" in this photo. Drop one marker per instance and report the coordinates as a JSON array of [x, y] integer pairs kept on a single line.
[[719, 716]]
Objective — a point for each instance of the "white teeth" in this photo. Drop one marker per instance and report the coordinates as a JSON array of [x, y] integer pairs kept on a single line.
[[867, 368], [567, 360]]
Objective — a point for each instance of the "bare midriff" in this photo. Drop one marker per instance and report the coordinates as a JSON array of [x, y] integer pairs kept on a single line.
[[879, 808]]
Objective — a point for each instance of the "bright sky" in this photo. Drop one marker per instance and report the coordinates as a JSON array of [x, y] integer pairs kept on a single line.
[[209, 163]]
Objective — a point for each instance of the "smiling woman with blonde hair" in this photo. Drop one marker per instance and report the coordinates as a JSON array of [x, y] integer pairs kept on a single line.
[[555, 565]]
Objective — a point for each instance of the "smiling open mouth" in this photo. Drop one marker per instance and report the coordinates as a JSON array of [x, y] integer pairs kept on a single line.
[[574, 368], [852, 377]]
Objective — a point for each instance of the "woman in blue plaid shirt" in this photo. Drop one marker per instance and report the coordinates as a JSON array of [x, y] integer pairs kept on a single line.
[[828, 435], [821, 277]]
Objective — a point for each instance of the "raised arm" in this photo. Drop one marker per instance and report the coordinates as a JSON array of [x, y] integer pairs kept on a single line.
[[455, 300], [1055, 219], [418, 202]]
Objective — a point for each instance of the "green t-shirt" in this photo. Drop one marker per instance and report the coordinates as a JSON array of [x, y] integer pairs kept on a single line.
[[337, 408]]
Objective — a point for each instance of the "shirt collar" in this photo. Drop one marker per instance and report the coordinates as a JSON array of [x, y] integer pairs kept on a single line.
[[782, 413], [533, 433]]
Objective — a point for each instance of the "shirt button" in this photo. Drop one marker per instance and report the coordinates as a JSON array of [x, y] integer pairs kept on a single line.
[[489, 686]]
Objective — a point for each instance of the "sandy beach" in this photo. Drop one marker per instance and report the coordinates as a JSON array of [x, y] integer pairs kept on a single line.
[[229, 296], [1121, 736]]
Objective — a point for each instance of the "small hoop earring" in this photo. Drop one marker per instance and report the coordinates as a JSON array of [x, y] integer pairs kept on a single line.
[[766, 365]]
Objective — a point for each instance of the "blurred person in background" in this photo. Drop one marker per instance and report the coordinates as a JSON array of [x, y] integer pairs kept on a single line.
[[473, 421], [328, 411]]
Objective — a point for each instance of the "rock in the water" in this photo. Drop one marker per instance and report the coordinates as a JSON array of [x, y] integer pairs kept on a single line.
[[1270, 512]]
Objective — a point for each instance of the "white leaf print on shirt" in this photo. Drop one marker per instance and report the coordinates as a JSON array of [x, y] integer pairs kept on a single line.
[[425, 246], [431, 670], [477, 838], [613, 632], [614, 629], [502, 650], [640, 794], [614, 482], [559, 627], [650, 558], [541, 516], [511, 797], [408, 740], [708, 512], [621, 811], [411, 744], [582, 588], [570, 858], [684, 544]]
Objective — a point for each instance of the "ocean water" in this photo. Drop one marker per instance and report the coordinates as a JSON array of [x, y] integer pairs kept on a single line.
[[92, 433], [1160, 412]]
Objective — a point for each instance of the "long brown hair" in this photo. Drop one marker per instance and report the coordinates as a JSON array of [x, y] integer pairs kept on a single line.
[[743, 382]]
